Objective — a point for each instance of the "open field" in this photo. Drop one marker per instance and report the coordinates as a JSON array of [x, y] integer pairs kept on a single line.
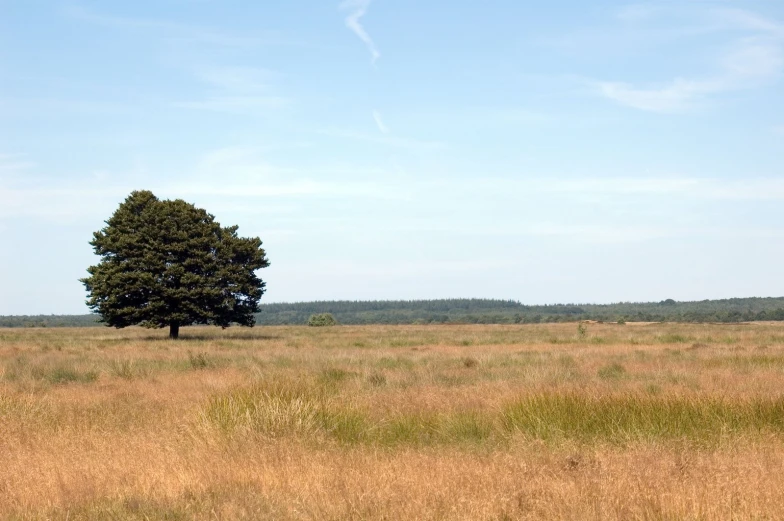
[[649, 422]]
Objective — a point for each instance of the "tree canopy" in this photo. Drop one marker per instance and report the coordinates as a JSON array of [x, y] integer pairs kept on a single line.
[[168, 263]]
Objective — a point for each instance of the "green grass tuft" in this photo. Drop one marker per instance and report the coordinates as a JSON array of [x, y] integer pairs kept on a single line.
[[199, 360], [628, 418], [63, 374]]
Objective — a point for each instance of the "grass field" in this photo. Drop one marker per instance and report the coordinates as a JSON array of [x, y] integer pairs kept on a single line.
[[619, 422]]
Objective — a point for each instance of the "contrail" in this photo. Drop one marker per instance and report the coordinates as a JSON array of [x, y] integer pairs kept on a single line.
[[358, 8]]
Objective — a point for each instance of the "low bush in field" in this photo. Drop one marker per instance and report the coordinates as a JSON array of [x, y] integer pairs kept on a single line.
[[322, 320]]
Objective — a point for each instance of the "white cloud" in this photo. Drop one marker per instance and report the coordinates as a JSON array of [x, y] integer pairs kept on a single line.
[[676, 96], [742, 19], [357, 9], [380, 123], [753, 60]]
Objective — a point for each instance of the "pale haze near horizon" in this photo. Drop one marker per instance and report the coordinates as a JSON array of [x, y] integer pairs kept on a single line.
[[544, 152]]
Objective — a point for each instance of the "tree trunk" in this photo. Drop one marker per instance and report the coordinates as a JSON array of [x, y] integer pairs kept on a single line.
[[174, 330]]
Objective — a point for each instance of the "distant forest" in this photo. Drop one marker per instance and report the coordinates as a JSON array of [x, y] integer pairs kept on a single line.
[[478, 311]]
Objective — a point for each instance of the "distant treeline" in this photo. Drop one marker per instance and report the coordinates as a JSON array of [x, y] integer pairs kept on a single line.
[[482, 311], [50, 321], [478, 311]]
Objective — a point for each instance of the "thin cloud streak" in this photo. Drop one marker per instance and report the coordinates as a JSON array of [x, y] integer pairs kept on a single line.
[[358, 9], [380, 123], [77, 201], [305, 188], [392, 141], [14, 163], [677, 96], [236, 104], [237, 90], [238, 79], [754, 189]]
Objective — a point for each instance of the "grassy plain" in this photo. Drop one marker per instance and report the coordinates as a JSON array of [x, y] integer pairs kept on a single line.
[[622, 422]]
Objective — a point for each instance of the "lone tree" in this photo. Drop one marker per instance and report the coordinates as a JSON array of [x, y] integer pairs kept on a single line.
[[168, 263]]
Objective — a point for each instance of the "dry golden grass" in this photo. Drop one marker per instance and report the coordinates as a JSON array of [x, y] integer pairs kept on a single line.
[[648, 422]]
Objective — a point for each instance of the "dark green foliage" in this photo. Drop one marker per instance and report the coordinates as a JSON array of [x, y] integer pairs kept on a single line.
[[168, 263], [486, 311], [480, 311], [582, 330], [322, 320], [49, 321]]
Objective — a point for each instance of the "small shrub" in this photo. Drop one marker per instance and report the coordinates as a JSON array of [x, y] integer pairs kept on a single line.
[[322, 320], [470, 362], [123, 369], [612, 371], [582, 330], [377, 379], [198, 361], [621, 322]]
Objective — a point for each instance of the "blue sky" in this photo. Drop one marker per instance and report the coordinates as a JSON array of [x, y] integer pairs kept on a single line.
[[560, 151]]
